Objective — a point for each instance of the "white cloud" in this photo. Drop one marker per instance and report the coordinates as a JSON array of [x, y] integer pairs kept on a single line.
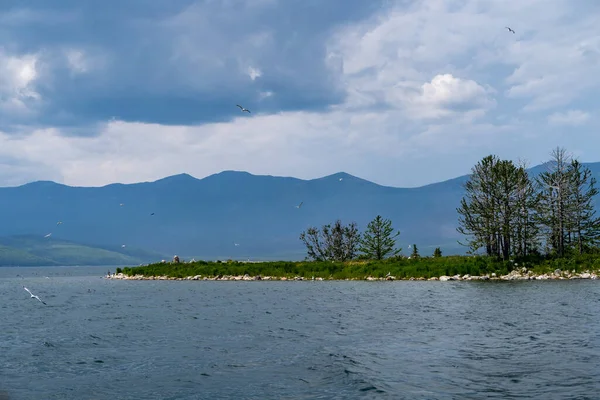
[[228, 40], [446, 96], [409, 44], [18, 74], [571, 117], [264, 95], [76, 61], [85, 60], [254, 73], [300, 144], [430, 89]]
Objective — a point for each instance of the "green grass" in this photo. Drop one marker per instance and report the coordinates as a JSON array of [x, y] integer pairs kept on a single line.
[[401, 268]]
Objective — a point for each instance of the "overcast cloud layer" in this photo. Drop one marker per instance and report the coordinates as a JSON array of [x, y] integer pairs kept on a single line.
[[403, 93]]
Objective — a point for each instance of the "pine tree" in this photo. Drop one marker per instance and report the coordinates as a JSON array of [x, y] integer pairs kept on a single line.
[[379, 240], [437, 252], [415, 252]]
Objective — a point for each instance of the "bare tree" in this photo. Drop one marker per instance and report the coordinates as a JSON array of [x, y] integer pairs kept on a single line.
[[554, 195], [495, 212], [332, 242], [583, 224], [525, 228], [314, 241], [477, 211]]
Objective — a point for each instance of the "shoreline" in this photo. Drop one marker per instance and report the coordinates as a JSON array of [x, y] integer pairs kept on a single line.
[[522, 274]]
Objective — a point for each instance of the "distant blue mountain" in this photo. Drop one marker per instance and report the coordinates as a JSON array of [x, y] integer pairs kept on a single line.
[[203, 218]]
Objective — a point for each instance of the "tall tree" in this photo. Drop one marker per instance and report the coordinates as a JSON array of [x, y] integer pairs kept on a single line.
[[583, 224], [553, 205], [332, 242], [477, 212], [379, 240], [505, 190], [525, 227], [495, 212]]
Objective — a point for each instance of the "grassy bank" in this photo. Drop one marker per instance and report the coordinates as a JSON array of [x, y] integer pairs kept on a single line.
[[401, 268]]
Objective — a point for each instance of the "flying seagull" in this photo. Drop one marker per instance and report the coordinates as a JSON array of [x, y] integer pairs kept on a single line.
[[59, 223], [48, 235], [243, 109], [33, 296], [510, 30], [122, 245], [122, 204], [236, 244], [341, 179], [300, 205]]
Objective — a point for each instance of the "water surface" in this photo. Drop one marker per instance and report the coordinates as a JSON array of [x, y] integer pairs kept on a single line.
[[105, 339]]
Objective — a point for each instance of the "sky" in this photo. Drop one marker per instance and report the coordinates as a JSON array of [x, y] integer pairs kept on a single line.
[[402, 93]]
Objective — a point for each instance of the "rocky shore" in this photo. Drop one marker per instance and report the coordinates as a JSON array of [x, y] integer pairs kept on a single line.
[[518, 274]]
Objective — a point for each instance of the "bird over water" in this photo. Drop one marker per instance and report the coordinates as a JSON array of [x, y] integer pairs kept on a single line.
[[33, 296]]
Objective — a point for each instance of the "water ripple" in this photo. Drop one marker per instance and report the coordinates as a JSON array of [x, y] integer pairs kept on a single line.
[[99, 339]]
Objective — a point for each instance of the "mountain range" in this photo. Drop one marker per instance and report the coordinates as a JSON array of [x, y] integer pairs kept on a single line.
[[229, 215]]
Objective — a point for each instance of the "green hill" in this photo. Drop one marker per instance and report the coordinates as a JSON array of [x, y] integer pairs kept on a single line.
[[30, 250], [9, 256]]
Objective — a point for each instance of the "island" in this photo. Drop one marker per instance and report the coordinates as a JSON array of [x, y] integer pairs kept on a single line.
[[449, 268], [515, 226]]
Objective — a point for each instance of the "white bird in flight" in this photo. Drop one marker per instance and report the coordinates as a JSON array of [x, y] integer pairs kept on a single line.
[[33, 296], [236, 244], [300, 205], [243, 109], [59, 223], [341, 179], [122, 204], [48, 235], [122, 245], [509, 29]]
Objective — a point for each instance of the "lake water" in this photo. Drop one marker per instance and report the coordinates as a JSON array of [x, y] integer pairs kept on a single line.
[[112, 339]]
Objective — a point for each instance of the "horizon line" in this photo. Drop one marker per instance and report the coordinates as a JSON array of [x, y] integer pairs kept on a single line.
[[256, 175]]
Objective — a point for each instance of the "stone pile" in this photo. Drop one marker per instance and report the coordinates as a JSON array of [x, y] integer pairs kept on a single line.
[[517, 274]]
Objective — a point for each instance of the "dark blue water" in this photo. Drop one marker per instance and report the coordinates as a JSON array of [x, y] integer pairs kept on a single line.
[[103, 339]]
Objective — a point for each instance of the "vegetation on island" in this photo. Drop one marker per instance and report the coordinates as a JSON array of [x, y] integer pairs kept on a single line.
[[508, 218]]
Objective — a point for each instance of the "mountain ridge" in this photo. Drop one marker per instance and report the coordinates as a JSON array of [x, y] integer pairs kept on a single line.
[[188, 178], [203, 218]]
